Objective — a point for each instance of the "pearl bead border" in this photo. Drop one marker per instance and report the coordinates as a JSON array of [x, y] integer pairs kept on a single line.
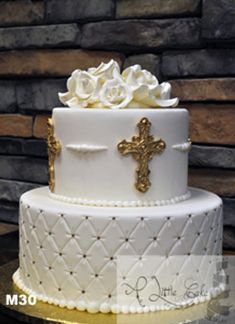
[[94, 307], [107, 203]]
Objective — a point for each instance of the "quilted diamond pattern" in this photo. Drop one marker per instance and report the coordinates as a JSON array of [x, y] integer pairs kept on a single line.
[[73, 257]]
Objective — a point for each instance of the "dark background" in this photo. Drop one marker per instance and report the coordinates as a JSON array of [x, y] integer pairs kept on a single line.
[[188, 42]]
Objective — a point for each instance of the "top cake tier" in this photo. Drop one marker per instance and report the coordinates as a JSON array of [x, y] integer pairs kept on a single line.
[[133, 157]]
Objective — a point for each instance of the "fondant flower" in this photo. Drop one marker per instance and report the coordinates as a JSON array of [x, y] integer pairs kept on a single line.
[[105, 71], [115, 94], [105, 87], [162, 96], [134, 76], [147, 92], [83, 90]]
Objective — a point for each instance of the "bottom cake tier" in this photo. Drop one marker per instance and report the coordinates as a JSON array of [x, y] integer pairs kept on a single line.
[[79, 257]]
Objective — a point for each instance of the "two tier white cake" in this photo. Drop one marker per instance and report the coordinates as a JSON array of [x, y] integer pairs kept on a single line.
[[118, 164]]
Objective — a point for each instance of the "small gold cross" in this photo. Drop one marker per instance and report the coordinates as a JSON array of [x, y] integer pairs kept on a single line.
[[142, 148], [54, 148]]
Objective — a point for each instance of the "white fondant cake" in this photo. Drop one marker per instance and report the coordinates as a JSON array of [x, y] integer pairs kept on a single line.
[[106, 177], [68, 253], [118, 186]]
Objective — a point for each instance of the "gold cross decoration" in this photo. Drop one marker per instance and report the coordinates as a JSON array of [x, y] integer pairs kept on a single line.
[[54, 148], [142, 148]]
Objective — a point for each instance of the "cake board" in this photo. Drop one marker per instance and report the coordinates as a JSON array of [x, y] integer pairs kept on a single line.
[[220, 307]]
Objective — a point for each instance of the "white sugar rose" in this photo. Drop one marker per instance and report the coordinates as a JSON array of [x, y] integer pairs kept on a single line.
[[83, 90], [143, 97], [134, 76], [147, 92], [71, 85], [105, 71], [86, 86], [105, 87], [165, 90], [162, 96], [115, 94]]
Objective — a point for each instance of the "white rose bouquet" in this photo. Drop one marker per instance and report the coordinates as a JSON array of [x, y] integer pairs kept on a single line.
[[106, 87]]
